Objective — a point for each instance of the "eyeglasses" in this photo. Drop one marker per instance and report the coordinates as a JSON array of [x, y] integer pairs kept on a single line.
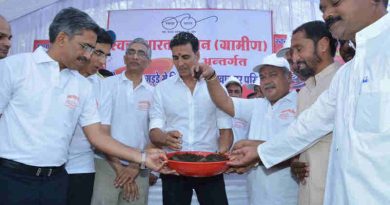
[[87, 48], [140, 53], [102, 55]]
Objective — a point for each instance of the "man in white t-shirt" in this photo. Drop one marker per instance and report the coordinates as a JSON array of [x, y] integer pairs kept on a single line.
[[42, 99], [267, 117], [80, 165], [125, 104]]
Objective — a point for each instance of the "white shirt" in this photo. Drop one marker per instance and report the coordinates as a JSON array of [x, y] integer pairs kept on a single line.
[[81, 155], [240, 129], [194, 115], [126, 110], [41, 107], [276, 185], [356, 107]]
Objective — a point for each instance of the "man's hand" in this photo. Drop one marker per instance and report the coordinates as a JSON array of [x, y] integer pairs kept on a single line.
[[127, 174], [155, 159], [130, 191], [244, 156], [245, 143], [202, 71], [173, 140], [240, 170], [299, 169]]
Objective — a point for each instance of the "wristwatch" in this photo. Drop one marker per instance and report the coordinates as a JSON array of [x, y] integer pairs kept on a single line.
[[143, 160]]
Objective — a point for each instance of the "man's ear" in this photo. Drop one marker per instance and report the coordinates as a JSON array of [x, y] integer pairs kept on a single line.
[[61, 38], [197, 54], [323, 45]]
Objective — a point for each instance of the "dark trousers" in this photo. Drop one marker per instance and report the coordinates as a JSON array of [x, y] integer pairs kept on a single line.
[[21, 189], [80, 188], [177, 190]]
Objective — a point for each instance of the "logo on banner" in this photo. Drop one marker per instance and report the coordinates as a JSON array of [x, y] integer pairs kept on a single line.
[[279, 40], [43, 43], [184, 21]]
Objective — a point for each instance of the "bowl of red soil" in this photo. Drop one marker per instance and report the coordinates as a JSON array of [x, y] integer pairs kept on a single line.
[[197, 164]]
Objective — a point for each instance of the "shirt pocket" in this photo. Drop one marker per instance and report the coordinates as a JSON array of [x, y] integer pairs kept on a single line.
[[373, 109]]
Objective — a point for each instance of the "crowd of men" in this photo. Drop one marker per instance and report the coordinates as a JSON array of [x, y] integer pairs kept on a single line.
[[73, 134]]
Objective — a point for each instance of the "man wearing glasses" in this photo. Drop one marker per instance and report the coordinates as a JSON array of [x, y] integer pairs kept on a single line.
[[80, 165], [125, 106], [42, 99]]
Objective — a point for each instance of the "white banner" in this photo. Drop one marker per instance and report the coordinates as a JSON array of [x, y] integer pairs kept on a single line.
[[232, 41]]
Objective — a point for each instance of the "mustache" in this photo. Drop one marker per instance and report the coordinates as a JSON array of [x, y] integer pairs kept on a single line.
[[331, 20], [270, 85]]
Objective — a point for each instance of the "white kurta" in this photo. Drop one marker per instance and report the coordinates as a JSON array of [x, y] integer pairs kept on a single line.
[[356, 107], [126, 109], [273, 186]]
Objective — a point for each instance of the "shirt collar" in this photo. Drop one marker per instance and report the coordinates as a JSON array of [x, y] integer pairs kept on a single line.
[[312, 81], [143, 83], [93, 78], [328, 69], [40, 56], [374, 29], [290, 97], [178, 79]]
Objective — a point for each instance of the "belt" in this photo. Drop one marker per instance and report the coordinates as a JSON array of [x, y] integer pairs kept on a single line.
[[31, 170]]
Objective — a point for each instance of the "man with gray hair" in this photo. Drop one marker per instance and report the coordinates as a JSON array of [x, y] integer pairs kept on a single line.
[[267, 117], [42, 99], [5, 37], [125, 112]]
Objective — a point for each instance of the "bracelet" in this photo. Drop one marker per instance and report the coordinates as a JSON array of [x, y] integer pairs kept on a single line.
[[212, 77], [143, 160]]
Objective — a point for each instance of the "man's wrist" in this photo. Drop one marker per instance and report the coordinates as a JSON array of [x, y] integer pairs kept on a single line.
[[212, 76], [143, 160]]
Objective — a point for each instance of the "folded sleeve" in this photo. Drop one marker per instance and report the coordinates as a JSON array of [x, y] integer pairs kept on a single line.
[[157, 114], [89, 112], [243, 108]]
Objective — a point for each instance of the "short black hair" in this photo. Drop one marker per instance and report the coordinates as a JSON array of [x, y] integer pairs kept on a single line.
[[385, 2], [315, 30], [183, 38], [105, 37]]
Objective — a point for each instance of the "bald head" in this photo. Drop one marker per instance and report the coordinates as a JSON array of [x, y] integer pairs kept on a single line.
[[5, 37]]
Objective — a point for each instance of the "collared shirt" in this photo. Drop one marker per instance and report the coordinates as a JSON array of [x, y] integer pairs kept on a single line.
[[126, 109], [311, 192], [276, 185], [356, 108], [194, 115], [81, 155], [41, 106]]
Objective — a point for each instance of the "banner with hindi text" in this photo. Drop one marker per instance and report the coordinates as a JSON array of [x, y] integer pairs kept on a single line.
[[232, 41]]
